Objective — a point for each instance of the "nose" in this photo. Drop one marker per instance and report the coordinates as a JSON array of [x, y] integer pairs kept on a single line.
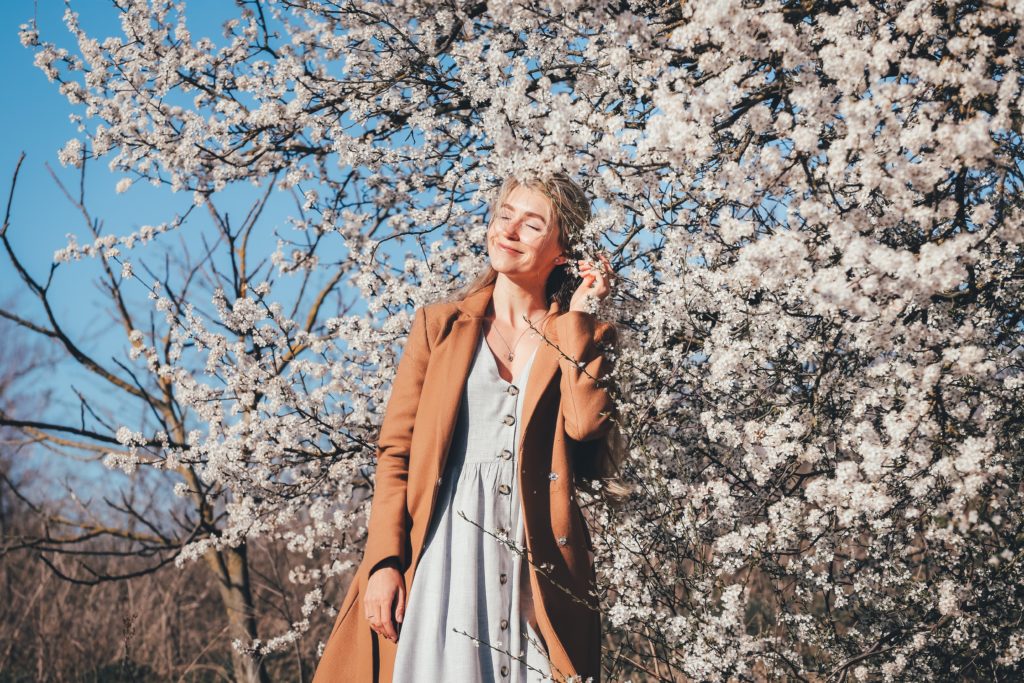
[[510, 229]]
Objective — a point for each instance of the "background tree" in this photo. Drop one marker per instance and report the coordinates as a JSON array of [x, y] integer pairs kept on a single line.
[[815, 212], [140, 522]]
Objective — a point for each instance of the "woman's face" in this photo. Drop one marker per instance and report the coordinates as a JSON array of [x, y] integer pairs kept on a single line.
[[522, 240]]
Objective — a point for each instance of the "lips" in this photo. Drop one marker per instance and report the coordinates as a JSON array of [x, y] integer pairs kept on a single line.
[[508, 249]]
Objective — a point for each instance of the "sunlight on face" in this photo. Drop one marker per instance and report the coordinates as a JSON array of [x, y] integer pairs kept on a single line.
[[523, 237]]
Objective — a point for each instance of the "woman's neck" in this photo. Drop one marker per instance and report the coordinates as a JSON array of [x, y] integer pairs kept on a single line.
[[511, 301]]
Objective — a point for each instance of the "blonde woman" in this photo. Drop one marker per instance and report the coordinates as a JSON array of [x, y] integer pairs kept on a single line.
[[498, 406]]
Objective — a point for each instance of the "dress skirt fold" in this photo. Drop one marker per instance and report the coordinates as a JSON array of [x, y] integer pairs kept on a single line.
[[469, 616]]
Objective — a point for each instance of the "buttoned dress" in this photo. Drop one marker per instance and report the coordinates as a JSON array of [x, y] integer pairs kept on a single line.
[[469, 614]]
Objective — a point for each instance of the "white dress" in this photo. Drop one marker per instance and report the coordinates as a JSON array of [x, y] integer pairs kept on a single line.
[[470, 607]]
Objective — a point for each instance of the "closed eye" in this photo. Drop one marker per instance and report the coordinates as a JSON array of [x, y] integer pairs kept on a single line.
[[506, 217]]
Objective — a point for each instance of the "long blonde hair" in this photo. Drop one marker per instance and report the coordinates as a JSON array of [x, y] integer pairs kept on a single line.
[[596, 467]]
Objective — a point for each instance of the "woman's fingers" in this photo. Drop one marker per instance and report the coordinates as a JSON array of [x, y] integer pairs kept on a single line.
[[595, 279], [370, 610], [400, 607], [387, 624], [603, 269], [378, 613]]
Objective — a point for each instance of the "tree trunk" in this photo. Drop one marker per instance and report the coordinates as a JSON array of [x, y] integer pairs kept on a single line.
[[231, 566]]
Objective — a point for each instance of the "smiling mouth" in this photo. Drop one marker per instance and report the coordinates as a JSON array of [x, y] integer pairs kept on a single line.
[[508, 249]]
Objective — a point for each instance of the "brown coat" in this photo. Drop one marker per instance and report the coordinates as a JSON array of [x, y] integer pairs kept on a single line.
[[564, 415]]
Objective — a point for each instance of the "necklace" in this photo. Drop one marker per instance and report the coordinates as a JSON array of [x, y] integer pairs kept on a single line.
[[511, 349]]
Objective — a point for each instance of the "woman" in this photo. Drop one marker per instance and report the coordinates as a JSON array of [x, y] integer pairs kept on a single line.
[[488, 428]]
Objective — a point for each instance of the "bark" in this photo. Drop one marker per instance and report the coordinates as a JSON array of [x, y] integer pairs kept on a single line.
[[231, 566]]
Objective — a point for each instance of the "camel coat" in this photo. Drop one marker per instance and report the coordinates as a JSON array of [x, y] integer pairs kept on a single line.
[[565, 416]]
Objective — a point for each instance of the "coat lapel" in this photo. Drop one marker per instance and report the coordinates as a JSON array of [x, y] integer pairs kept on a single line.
[[459, 348], [541, 372]]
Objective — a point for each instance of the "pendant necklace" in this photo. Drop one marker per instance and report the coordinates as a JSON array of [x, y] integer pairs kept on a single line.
[[511, 349]]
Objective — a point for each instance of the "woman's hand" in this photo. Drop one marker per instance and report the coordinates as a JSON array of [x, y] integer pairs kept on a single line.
[[596, 283], [385, 589]]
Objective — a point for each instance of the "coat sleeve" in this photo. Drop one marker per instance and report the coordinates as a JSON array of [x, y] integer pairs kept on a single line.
[[388, 527], [586, 405]]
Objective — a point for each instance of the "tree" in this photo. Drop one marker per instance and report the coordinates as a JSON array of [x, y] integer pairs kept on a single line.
[[814, 209]]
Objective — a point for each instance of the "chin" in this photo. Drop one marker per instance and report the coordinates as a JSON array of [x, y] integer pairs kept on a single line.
[[504, 268]]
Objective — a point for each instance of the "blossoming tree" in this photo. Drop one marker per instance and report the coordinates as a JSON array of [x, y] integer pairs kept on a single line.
[[814, 210]]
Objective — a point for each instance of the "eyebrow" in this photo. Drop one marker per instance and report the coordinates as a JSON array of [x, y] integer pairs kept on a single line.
[[506, 205]]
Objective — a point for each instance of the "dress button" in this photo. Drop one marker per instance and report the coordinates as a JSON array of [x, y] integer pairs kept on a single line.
[[504, 670], [507, 454], [562, 540], [504, 624], [509, 419], [504, 488], [553, 476], [504, 579], [513, 389]]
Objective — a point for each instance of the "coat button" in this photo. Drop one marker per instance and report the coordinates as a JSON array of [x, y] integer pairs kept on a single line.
[[507, 454], [504, 488], [504, 624], [513, 389], [504, 670], [509, 419], [562, 540], [503, 579]]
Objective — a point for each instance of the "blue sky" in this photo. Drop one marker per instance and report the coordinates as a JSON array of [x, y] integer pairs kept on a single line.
[[37, 122]]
